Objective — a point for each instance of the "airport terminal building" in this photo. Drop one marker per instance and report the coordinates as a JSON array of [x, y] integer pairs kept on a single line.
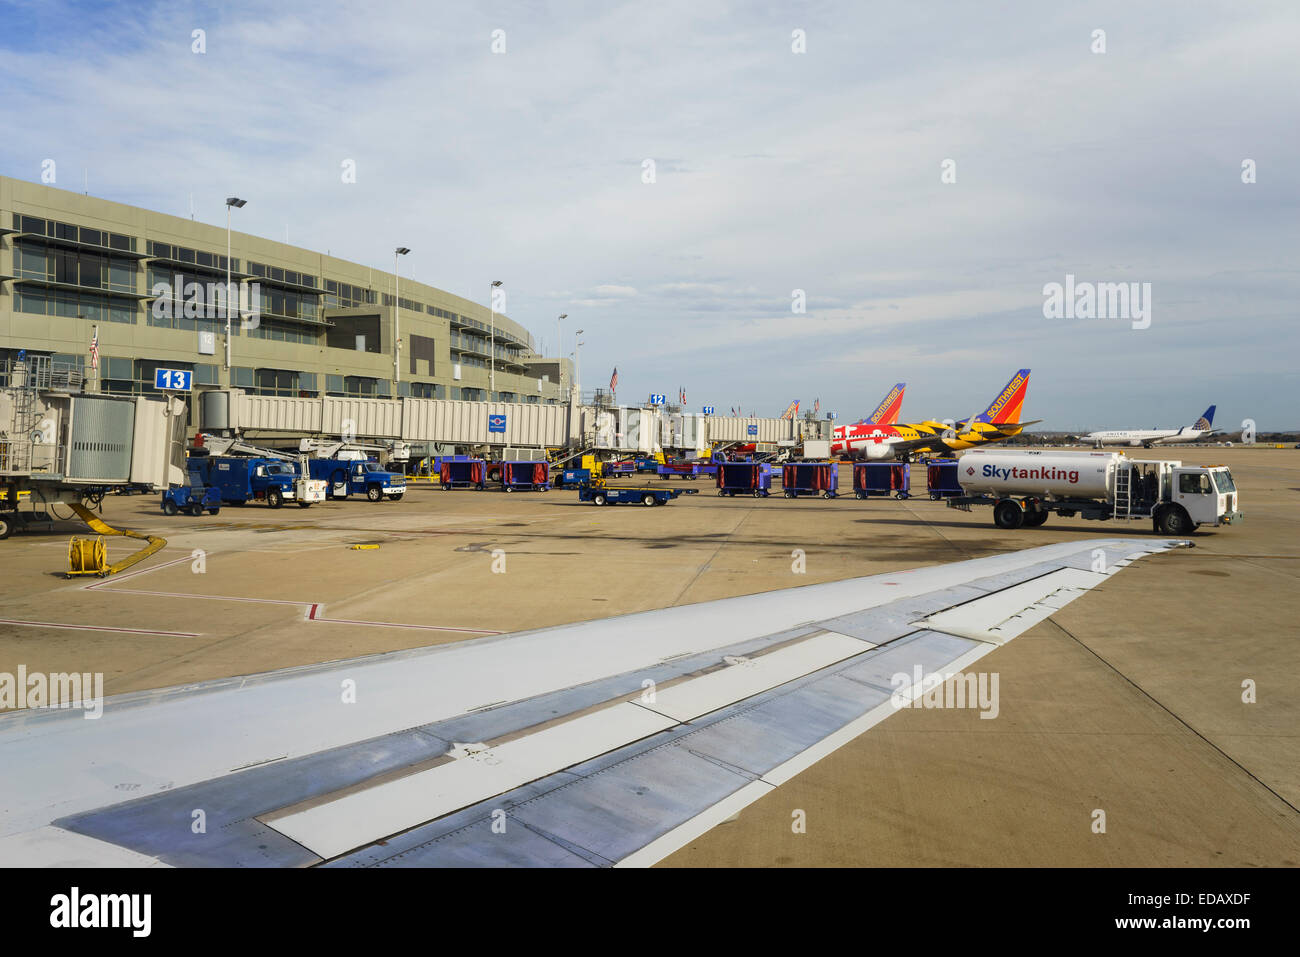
[[71, 264]]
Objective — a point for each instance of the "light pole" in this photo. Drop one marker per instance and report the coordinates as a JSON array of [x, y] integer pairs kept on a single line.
[[492, 341], [397, 321], [577, 363], [559, 349], [236, 203]]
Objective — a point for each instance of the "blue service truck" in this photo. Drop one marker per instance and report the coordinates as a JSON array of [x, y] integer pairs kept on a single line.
[[241, 479], [344, 477]]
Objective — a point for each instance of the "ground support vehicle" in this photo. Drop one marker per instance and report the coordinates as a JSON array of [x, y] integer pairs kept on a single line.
[[810, 478], [882, 478], [1023, 488]]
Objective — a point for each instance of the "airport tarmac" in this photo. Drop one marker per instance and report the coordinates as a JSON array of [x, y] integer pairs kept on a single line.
[[1128, 701]]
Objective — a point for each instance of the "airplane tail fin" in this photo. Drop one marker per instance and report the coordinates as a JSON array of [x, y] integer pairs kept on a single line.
[[1206, 422], [887, 412], [1006, 407]]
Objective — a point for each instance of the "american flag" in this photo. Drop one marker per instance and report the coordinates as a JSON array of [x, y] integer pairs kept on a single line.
[[94, 349], [681, 395], [613, 380], [817, 406]]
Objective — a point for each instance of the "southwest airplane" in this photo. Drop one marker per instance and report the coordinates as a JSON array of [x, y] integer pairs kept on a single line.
[[1149, 437], [887, 412], [885, 440]]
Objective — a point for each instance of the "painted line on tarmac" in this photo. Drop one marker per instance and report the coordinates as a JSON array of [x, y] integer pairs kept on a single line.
[[126, 631], [312, 610]]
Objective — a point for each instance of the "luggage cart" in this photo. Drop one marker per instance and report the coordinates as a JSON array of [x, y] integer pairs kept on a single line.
[[745, 478], [882, 478], [941, 478], [810, 478], [462, 472], [685, 470], [525, 476], [602, 494]]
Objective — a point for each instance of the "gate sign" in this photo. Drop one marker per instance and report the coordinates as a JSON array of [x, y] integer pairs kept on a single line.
[[751, 430], [658, 398], [496, 423], [172, 380], [708, 410]]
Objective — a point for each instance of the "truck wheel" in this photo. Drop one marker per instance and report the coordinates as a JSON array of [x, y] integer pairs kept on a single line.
[[374, 493], [214, 511], [598, 498], [169, 507], [648, 499], [196, 509], [789, 493], [510, 488], [304, 504], [274, 498], [6, 526], [1008, 514], [1036, 518], [1174, 521]]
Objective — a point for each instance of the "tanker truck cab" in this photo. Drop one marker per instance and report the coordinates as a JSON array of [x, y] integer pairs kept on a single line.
[[1198, 496]]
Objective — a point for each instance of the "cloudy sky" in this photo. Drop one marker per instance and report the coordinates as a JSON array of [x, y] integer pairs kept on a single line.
[[775, 171]]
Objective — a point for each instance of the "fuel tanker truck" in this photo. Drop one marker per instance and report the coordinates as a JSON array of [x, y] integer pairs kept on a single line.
[[1024, 487]]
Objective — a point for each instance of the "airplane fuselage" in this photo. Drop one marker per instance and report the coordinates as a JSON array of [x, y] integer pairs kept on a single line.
[[1141, 437], [878, 441]]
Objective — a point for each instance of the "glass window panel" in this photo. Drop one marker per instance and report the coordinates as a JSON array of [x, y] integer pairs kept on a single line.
[[67, 305], [33, 303], [121, 274], [121, 310], [93, 270]]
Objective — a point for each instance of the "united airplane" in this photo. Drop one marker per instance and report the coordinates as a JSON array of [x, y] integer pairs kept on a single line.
[[1149, 437], [876, 440]]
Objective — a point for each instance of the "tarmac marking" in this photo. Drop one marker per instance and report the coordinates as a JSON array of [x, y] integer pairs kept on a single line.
[[128, 631], [312, 610]]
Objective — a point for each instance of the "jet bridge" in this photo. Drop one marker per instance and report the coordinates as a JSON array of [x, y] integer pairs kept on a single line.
[[61, 445], [600, 426]]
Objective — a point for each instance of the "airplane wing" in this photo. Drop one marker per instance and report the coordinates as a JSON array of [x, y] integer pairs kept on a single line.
[[610, 742]]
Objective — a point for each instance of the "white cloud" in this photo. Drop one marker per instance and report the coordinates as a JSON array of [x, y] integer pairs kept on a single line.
[[775, 172]]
